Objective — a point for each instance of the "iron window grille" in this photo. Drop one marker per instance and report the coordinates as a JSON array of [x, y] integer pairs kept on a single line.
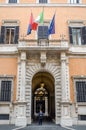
[[5, 92], [81, 91], [12, 1]]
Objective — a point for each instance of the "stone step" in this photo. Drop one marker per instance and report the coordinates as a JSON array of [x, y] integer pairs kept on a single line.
[[44, 126]]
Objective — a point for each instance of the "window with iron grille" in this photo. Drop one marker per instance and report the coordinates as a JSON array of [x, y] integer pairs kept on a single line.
[[75, 1], [12, 1], [82, 117], [81, 91], [43, 1], [4, 116], [5, 92]]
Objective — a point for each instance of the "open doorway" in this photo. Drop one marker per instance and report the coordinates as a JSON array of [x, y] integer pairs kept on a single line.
[[43, 96]]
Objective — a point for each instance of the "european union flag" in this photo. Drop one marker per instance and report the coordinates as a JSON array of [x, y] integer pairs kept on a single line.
[[51, 29]]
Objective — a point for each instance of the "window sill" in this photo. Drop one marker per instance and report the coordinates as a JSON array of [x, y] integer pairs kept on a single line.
[[76, 49], [4, 103], [77, 45], [12, 3], [81, 103]]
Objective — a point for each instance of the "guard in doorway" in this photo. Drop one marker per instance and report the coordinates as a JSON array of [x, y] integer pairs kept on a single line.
[[40, 117]]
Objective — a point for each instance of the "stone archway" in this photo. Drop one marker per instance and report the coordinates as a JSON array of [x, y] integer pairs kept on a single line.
[[52, 69], [43, 95], [60, 73]]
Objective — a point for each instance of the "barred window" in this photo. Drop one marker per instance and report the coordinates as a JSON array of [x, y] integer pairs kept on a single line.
[[75, 1], [4, 116], [43, 1], [12, 1], [5, 91], [81, 91], [82, 117]]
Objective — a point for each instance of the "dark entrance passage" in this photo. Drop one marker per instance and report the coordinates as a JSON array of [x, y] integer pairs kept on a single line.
[[43, 96], [40, 105]]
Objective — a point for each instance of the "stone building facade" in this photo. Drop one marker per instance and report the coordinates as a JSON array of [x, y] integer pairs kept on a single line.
[[47, 73]]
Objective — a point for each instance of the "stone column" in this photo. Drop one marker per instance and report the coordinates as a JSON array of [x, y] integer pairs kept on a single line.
[[65, 103], [35, 106], [21, 104], [46, 106]]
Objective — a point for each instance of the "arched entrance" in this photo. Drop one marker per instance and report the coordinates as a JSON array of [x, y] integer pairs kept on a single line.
[[43, 95]]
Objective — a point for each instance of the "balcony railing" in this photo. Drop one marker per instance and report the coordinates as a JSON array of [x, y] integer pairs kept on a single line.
[[44, 43]]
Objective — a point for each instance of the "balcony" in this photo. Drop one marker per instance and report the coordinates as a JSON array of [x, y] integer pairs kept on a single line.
[[43, 44], [34, 45]]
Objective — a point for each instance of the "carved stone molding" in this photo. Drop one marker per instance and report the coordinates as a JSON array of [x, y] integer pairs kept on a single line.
[[23, 56], [43, 58]]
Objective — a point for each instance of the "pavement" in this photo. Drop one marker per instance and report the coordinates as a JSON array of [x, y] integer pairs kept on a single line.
[[41, 127], [79, 127], [32, 127]]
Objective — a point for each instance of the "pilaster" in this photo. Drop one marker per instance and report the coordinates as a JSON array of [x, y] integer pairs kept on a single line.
[[63, 77], [65, 101], [23, 75], [21, 104]]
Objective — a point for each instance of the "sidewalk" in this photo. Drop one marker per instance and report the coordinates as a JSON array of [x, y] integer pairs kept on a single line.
[[32, 127], [43, 127]]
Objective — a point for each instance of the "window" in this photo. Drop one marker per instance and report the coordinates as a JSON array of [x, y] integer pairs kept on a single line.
[[82, 117], [81, 91], [77, 35], [75, 1], [12, 1], [9, 34], [43, 1], [4, 116], [43, 32], [5, 91]]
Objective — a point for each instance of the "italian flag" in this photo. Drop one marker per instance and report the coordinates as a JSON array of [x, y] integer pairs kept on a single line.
[[39, 19]]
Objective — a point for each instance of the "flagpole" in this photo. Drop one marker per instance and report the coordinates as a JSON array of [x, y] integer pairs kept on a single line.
[[31, 11], [43, 15]]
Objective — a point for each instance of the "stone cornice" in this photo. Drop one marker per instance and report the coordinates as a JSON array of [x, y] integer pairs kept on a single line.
[[33, 45], [43, 48], [42, 5]]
